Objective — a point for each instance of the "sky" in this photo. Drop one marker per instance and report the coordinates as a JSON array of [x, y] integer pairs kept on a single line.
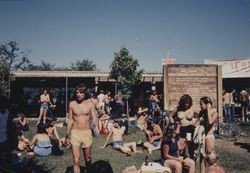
[[64, 31]]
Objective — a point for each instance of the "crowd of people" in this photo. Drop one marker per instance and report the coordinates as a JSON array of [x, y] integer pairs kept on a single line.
[[183, 137], [233, 99]]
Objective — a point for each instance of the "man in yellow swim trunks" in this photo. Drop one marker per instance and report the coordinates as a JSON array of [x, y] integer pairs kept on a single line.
[[78, 132]]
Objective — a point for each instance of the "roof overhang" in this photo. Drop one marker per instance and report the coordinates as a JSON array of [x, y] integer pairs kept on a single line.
[[98, 75]]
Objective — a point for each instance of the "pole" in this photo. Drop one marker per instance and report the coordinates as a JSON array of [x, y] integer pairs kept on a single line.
[[66, 97]]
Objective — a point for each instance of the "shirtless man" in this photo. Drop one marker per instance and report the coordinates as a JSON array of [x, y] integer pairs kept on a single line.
[[78, 132], [154, 136], [154, 101]]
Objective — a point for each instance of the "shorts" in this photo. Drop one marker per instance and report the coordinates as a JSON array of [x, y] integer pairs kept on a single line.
[[44, 106], [186, 129], [40, 151], [117, 144], [81, 138], [156, 143], [244, 103]]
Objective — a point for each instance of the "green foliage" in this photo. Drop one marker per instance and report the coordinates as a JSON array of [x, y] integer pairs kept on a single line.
[[13, 57], [44, 66], [83, 65], [124, 71], [62, 68], [4, 77]]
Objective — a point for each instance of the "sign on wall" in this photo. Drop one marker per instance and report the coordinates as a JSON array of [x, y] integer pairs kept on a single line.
[[195, 80]]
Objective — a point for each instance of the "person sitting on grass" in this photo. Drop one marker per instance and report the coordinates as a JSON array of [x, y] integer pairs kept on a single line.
[[22, 122], [154, 136], [102, 116], [171, 157], [51, 130], [117, 133], [43, 145], [141, 118], [23, 142]]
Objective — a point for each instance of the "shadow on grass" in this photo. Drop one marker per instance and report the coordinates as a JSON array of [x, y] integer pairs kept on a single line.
[[70, 169], [32, 165], [243, 145]]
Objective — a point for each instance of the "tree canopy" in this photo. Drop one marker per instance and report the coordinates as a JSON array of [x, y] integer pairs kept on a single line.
[[4, 77], [44, 66], [83, 65], [14, 58], [124, 71]]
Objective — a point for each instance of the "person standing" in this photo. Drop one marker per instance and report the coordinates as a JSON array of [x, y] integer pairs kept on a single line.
[[78, 132], [45, 102], [52, 107], [101, 99], [226, 105], [7, 134], [208, 115], [232, 99], [244, 96], [183, 117]]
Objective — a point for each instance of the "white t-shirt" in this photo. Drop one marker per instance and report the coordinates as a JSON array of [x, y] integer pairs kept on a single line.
[[101, 100]]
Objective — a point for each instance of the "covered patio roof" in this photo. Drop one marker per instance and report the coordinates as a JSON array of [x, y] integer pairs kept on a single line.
[[98, 75]]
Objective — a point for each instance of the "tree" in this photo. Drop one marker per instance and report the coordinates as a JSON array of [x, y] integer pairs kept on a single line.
[[44, 66], [4, 77], [13, 57], [62, 68], [83, 65], [124, 71]]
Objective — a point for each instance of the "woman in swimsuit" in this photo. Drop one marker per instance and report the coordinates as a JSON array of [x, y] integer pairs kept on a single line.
[[183, 116], [207, 117], [41, 142]]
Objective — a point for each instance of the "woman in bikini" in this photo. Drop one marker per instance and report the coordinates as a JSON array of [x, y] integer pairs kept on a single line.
[[183, 116], [207, 116]]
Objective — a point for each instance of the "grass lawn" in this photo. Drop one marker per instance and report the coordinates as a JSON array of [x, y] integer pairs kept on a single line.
[[234, 156]]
